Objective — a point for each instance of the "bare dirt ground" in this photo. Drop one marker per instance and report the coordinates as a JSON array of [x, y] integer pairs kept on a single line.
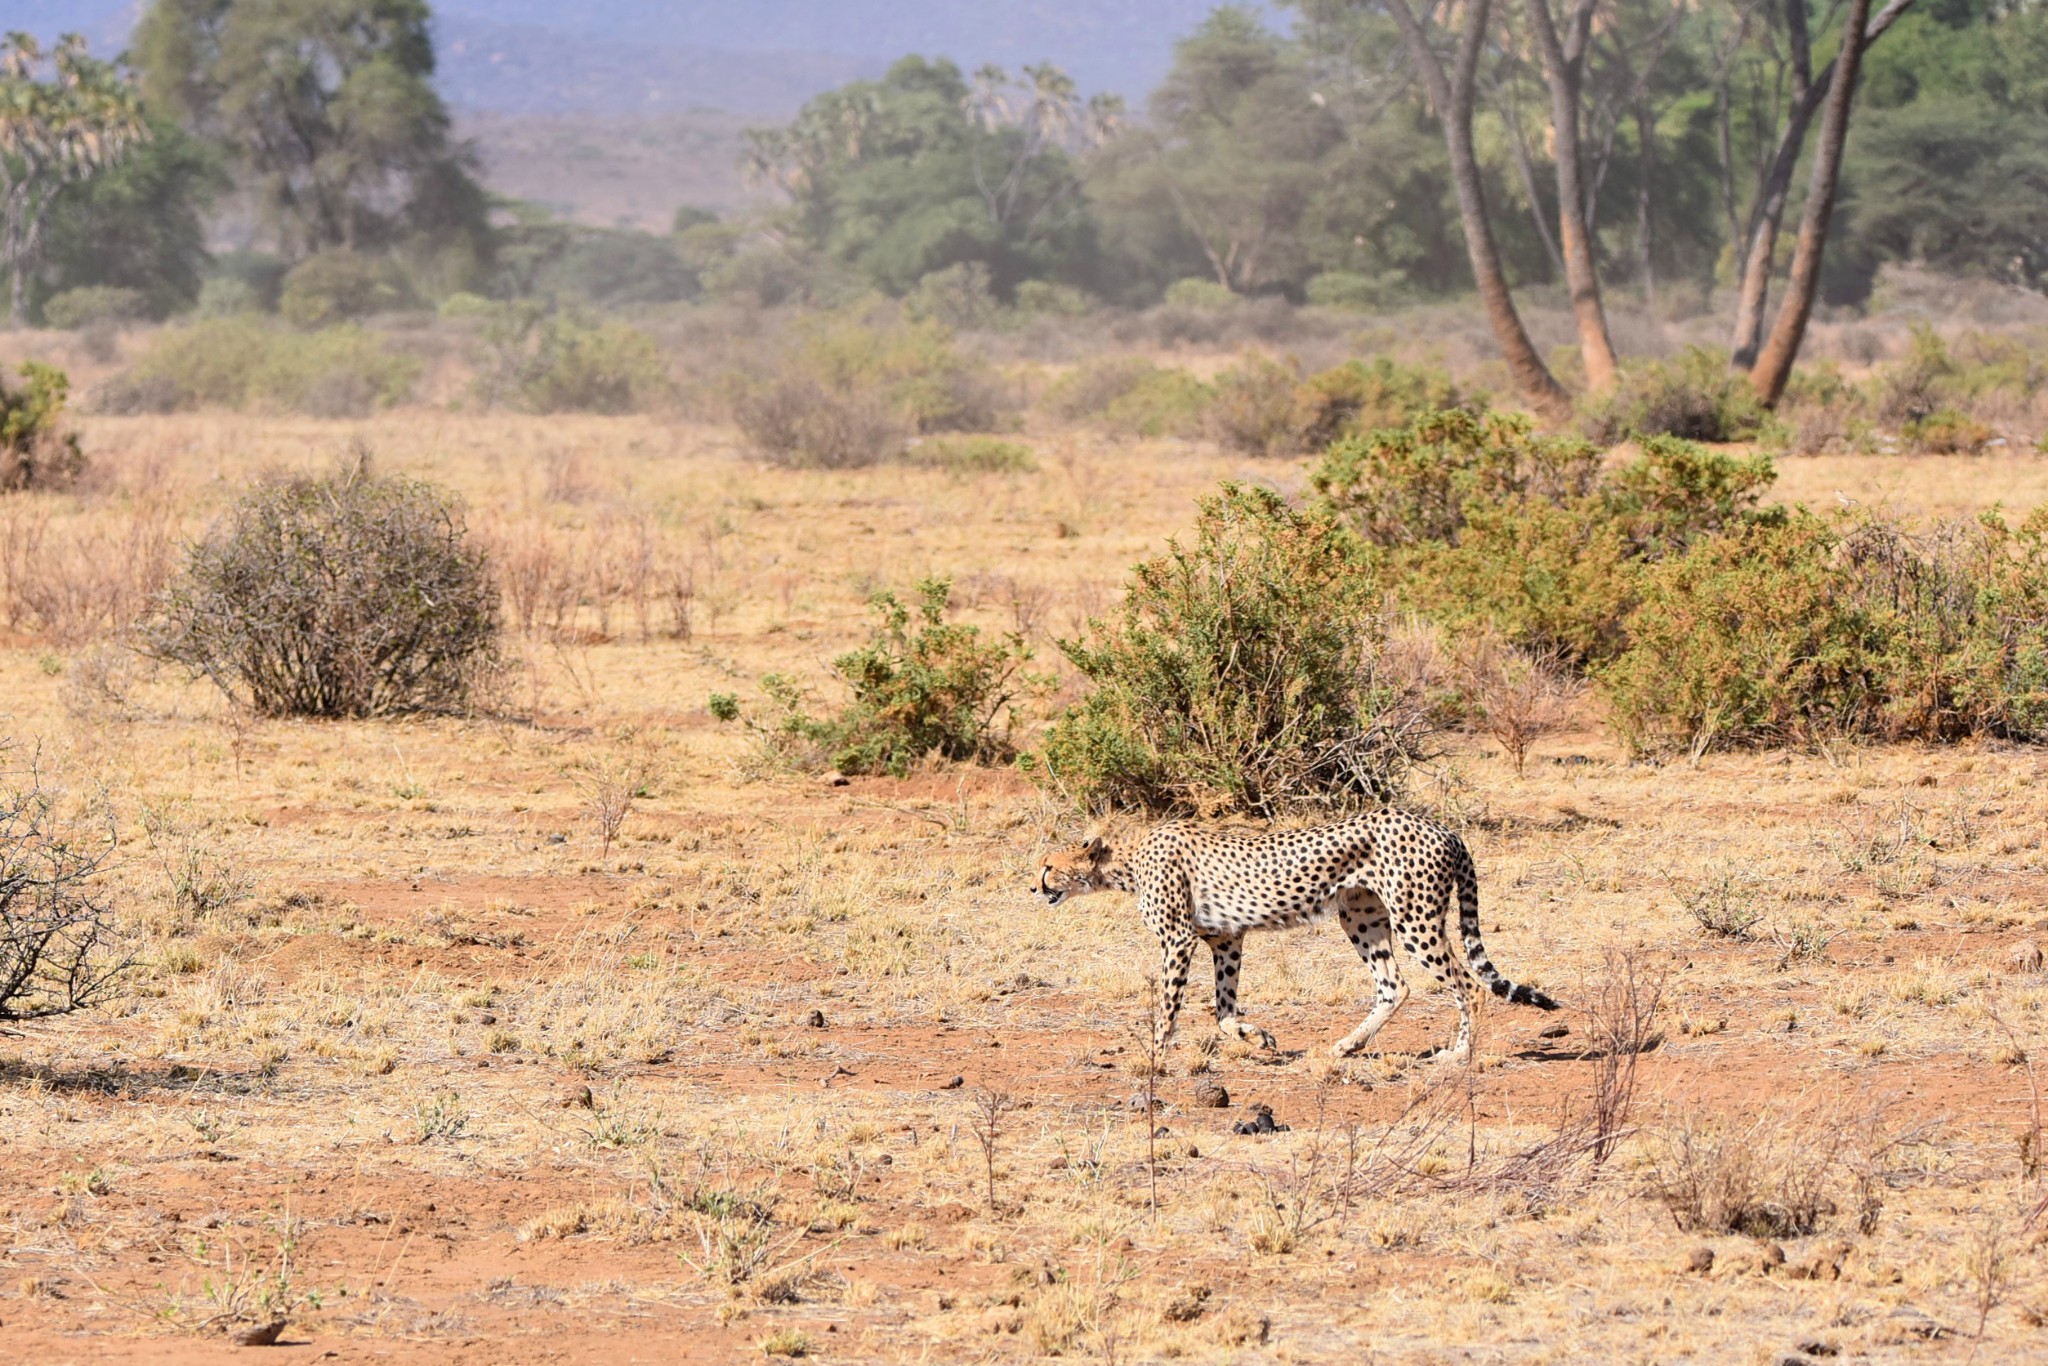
[[413, 1060]]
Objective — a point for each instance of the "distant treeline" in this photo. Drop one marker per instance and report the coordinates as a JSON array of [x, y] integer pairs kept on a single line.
[[1309, 164]]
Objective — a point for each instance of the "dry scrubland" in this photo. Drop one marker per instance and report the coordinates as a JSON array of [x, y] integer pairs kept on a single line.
[[382, 962]]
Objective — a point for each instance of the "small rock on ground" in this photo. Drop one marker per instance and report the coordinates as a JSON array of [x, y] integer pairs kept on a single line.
[[1210, 1095]]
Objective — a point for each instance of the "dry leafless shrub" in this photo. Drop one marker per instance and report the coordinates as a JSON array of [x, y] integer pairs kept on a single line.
[[1723, 906], [58, 938], [1621, 1023], [70, 581], [608, 785], [990, 1109], [1781, 1170], [1518, 695], [349, 595]]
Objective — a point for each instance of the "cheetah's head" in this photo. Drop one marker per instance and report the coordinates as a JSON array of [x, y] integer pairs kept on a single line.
[[1077, 871]]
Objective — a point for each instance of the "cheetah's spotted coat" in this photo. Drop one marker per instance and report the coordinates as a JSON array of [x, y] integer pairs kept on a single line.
[[1386, 875]]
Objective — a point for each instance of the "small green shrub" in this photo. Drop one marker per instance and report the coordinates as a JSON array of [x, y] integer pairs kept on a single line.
[[1491, 525], [1550, 578], [1243, 672], [1198, 293], [340, 286], [1360, 396], [105, 305], [958, 297], [245, 362], [1694, 396], [1358, 292], [848, 388], [1674, 492], [1266, 407], [1043, 297], [1799, 628], [36, 450], [1254, 410], [557, 363], [971, 455], [1402, 486], [349, 595], [225, 296], [920, 685], [1130, 396], [1945, 431]]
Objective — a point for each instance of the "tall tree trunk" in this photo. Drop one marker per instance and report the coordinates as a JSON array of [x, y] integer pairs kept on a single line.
[[1774, 366], [1563, 63], [1453, 95], [1519, 145], [1646, 169], [1768, 214]]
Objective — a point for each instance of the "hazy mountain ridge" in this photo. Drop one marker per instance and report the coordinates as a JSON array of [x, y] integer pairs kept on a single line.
[[766, 57]]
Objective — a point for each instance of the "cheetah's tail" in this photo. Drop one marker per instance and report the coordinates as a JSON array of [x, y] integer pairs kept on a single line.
[[1481, 966]]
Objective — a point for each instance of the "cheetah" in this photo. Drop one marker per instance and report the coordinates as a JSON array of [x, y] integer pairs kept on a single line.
[[1385, 874]]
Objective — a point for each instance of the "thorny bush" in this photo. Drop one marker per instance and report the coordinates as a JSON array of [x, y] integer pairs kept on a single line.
[[57, 930], [1248, 670], [348, 595], [920, 685], [1809, 628]]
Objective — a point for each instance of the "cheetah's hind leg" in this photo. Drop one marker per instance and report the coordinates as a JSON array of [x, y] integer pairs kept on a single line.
[[1367, 926]]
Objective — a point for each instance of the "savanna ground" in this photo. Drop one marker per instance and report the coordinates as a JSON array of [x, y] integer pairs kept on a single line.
[[418, 1057]]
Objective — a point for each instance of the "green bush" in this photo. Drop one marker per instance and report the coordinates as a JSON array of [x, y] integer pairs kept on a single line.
[[1490, 525], [1355, 291], [36, 450], [339, 286], [88, 305], [1046, 298], [848, 388], [1412, 484], [971, 455], [558, 363], [1198, 293], [1800, 628], [344, 596], [1554, 579], [1266, 407], [1694, 396], [1130, 396], [920, 685], [1253, 410], [225, 296], [244, 362], [959, 297], [1359, 396], [1243, 672]]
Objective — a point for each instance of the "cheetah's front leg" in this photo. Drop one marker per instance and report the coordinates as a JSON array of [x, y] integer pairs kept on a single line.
[[1176, 952], [1228, 954]]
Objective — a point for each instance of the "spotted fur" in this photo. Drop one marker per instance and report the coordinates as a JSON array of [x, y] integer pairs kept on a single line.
[[1386, 875]]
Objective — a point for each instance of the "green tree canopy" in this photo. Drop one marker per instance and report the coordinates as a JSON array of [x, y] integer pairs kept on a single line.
[[328, 111], [904, 176]]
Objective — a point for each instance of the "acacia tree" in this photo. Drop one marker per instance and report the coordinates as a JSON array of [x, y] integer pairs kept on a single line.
[[1453, 93], [1564, 65], [920, 170], [329, 110], [1808, 92], [1238, 145], [1774, 364], [61, 120]]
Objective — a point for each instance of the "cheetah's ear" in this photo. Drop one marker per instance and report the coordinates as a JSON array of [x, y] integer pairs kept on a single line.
[[1096, 848]]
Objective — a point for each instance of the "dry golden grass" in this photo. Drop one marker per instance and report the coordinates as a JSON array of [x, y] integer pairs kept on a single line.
[[419, 1057]]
